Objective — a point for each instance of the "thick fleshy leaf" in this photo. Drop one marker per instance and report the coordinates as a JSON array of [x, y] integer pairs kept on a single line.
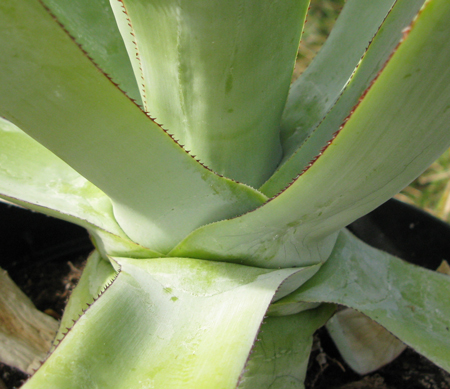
[[316, 91], [280, 357], [378, 52], [97, 275], [106, 242], [165, 323], [33, 177], [51, 90], [93, 26], [399, 128], [409, 301], [216, 74], [31, 173], [273, 236], [111, 244], [290, 305]]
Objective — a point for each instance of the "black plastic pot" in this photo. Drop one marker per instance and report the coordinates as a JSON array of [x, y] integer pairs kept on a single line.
[[406, 232]]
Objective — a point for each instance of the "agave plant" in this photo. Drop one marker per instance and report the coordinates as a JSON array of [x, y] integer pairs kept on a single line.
[[215, 193]]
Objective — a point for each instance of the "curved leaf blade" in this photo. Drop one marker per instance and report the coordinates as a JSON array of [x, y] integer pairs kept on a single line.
[[280, 358], [93, 26], [97, 275], [31, 173], [159, 192], [401, 125], [410, 302], [33, 177], [216, 74], [155, 324], [398, 129], [379, 50], [319, 87], [278, 234]]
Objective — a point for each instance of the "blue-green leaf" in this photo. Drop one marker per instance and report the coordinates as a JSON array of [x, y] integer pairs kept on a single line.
[[409, 301]]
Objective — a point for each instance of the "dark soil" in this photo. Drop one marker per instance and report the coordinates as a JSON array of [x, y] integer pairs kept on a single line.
[[46, 265]]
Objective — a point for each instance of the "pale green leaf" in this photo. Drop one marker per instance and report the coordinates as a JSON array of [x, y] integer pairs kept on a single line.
[[400, 127], [409, 301], [111, 244], [280, 357], [33, 177], [31, 173], [51, 90], [93, 26], [278, 234], [316, 91], [97, 274], [290, 305], [165, 323], [380, 48], [216, 74]]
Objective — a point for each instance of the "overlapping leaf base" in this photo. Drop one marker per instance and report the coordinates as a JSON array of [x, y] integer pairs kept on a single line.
[[174, 311], [166, 323]]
